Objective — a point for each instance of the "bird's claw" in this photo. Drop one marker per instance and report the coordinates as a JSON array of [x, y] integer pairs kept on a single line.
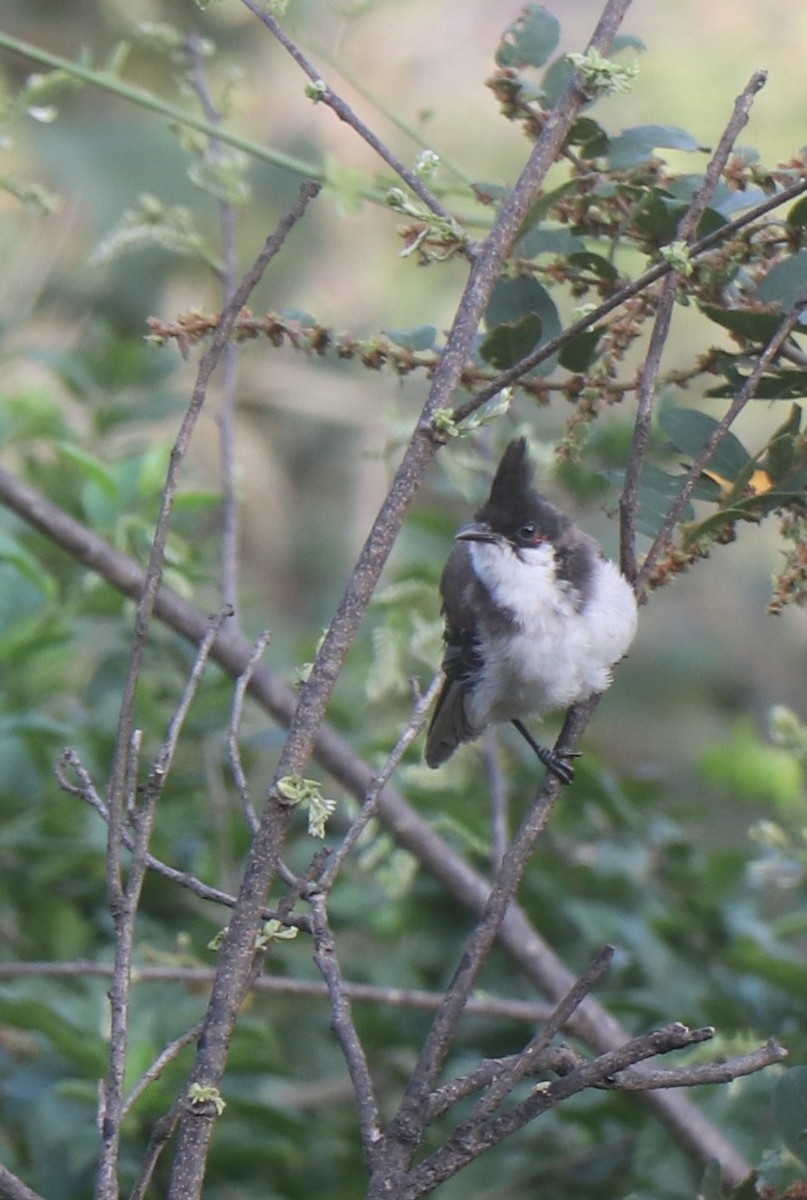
[[556, 762]]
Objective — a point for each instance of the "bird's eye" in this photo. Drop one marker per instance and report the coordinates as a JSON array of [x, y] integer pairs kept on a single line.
[[527, 532]]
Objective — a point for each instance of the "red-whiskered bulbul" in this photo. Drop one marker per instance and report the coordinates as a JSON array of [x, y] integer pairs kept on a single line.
[[535, 617]]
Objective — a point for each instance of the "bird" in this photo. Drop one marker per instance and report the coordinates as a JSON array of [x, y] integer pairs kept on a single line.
[[536, 616]]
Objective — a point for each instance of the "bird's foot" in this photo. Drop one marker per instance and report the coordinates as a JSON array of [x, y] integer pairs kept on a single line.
[[554, 760]]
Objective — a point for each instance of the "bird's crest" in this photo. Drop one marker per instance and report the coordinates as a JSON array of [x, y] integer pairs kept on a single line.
[[513, 479]]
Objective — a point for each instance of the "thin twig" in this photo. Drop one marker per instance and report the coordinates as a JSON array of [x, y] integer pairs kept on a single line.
[[648, 378], [283, 985], [13, 1188], [326, 95], [86, 790], [124, 911], [408, 1123], [343, 1026], [234, 730], [167, 1055], [372, 796], [746, 394], [160, 1135], [460, 1148], [133, 772], [700, 1074], [229, 367], [503, 1084], [165, 755], [641, 284]]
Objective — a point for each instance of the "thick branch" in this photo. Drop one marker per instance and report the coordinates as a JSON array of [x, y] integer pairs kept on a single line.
[[13, 1188]]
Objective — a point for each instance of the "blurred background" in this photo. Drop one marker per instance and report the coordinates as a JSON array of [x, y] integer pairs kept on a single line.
[[88, 410], [308, 430]]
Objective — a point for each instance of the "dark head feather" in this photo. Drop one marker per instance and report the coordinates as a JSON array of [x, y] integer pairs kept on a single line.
[[513, 500], [513, 478]]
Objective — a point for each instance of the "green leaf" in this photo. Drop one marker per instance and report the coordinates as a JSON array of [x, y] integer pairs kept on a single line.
[[27, 565], [756, 326], [657, 491], [580, 352], [556, 79], [797, 217], [530, 40], [419, 337], [688, 431], [658, 217], [544, 205], [513, 299], [548, 241], [786, 284], [91, 469], [507, 344], [789, 1111], [754, 770], [595, 263], [749, 957], [637, 145], [784, 385], [590, 138]]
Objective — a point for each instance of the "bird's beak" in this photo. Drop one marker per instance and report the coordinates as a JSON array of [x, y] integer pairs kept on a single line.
[[476, 532]]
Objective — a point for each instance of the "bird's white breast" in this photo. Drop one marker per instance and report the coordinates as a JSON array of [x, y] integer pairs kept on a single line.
[[558, 649]]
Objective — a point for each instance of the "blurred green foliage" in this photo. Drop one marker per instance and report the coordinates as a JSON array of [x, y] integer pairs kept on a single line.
[[707, 917]]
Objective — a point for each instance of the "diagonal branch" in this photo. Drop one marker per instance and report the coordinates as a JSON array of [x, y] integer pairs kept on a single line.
[[664, 536], [326, 95], [343, 1025], [648, 377], [465, 1145], [641, 284]]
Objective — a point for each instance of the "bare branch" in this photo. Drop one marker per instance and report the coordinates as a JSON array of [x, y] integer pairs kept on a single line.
[[504, 1083], [648, 377], [226, 413], [165, 755], [234, 731], [167, 1055], [465, 1143], [160, 1135], [410, 1120], [326, 95], [343, 1026], [195, 977], [372, 797], [13, 1188], [86, 791], [635, 1080]]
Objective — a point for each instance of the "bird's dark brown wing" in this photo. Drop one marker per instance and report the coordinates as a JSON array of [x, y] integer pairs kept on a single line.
[[462, 660]]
